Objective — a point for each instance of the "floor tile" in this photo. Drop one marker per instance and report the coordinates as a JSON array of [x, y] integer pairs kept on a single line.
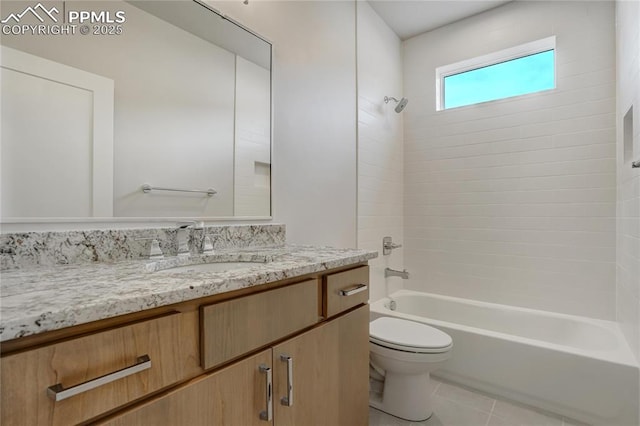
[[519, 415], [378, 418], [449, 413], [571, 422], [456, 405], [466, 397], [498, 421]]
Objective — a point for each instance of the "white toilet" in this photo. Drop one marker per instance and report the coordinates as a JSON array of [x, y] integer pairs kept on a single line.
[[403, 353]]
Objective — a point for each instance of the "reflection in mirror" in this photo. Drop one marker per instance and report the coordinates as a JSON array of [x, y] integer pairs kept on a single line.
[[176, 97]]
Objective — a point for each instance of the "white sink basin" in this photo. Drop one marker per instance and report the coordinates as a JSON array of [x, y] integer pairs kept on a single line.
[[212, 267]]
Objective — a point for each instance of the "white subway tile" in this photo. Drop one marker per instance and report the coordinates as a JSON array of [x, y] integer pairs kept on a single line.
[[514, 201]]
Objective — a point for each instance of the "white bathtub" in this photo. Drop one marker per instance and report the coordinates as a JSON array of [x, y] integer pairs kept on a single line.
[[578, 367]]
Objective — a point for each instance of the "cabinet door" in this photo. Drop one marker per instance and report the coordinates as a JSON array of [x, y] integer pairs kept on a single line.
[[353, 368], [329, 374], [235, 395]]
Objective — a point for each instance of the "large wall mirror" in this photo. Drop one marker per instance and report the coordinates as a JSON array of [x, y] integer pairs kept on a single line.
[[100, 98]]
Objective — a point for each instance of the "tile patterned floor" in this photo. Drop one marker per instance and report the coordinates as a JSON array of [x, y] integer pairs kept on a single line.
[[459, 406]]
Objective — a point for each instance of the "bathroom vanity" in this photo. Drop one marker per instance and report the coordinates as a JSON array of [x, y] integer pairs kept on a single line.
[[283, 340]]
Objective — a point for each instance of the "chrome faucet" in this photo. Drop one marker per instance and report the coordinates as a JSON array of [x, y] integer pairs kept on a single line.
[[388, 272], [183, 237], [388, 245], [189, 223], [154, 251]]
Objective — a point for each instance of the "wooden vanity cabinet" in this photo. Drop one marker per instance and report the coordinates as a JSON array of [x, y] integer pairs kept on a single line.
[[329, 385], [317, 366]]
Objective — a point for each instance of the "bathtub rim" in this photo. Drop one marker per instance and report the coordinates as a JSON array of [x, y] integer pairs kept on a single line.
[[623, 355]]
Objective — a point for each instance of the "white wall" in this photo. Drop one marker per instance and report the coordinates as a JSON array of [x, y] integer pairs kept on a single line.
[[314, 108], [380, 158], [513, 201], [628, 211]]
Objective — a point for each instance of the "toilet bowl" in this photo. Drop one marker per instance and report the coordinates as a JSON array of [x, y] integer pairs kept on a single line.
[[403, 354]]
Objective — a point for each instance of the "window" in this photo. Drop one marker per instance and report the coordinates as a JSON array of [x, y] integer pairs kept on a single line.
[[517, 71]]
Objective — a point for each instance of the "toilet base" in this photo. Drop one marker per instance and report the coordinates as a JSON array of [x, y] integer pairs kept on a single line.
[[407, 396]]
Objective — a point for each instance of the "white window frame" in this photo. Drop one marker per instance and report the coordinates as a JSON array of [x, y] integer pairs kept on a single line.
[[527, 49]]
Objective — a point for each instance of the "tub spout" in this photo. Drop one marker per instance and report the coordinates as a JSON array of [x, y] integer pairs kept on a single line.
[[388, 272]]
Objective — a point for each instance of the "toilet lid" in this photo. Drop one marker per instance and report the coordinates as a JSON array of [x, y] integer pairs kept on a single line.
[[408, 335]]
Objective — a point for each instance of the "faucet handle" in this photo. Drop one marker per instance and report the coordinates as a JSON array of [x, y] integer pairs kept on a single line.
[[388, 245], [183, 246], [155, 252], [207, 245]]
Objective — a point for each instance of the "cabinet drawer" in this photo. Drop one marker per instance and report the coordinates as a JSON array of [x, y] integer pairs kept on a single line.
[[129, 362], [235, 327], [344, 290]]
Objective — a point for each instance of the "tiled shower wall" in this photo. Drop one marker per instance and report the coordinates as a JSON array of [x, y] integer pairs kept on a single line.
[[380, 158], [513, 201], [628, 212]]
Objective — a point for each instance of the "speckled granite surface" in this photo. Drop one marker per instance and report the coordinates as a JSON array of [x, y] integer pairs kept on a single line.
[[43, 298], [26, 249]]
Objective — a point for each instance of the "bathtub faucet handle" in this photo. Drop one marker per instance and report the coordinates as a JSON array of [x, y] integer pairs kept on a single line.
[[388, 245]]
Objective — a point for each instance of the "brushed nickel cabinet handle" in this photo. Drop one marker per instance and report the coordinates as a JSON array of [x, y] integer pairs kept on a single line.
[[57, 392], [268, 413], [288, 400], [354, 290]]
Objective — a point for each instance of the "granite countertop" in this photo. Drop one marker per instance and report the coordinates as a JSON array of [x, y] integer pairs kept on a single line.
[[40, 299]]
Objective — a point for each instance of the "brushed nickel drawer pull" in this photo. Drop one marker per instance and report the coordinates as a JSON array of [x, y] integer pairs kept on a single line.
[[268, 413], [354, 290], [57, 392], [288, 400]]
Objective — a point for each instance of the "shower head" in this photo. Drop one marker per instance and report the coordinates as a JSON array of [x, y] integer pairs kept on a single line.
[[402, 103]]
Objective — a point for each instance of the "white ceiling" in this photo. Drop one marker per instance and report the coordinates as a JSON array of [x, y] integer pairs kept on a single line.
[[412, 17]]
